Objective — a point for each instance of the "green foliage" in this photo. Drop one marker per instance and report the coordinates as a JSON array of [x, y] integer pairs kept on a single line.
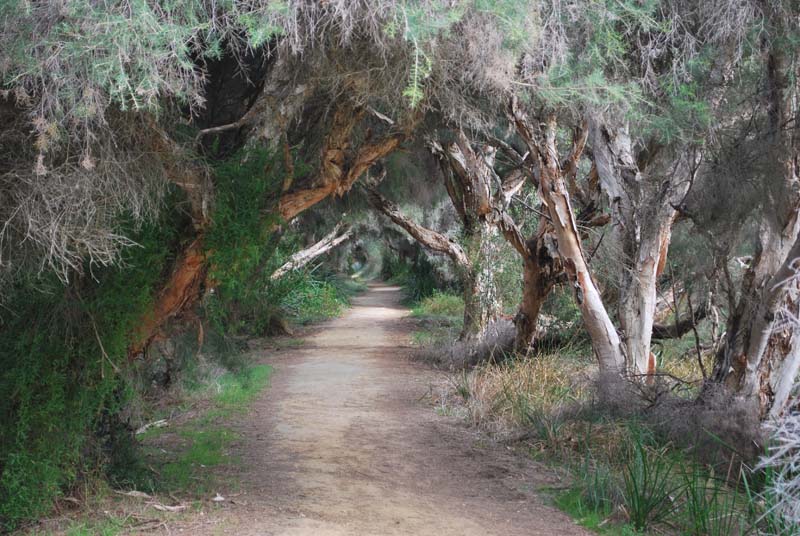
[[313, 299], [685, 116], [87, 55], [190, 471], [60, 353], [200, 445], [261, 27], [573, 503], [237, 389], [596, 70], [108, 527], [440, 304], [597, 485], [441, 316], [245, 250], [420, 70], [242, 245], [648, 486], [419, 279], [421, 24]]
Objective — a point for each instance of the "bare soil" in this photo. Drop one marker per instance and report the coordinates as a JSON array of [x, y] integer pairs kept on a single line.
[[346, 442]]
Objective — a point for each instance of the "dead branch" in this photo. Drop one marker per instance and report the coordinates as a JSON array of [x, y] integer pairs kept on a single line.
[[303, 257]]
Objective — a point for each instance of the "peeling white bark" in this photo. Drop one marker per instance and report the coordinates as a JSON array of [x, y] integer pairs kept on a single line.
[[303, 257]]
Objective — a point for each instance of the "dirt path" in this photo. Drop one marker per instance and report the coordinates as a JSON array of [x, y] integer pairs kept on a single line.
[[344, 443]]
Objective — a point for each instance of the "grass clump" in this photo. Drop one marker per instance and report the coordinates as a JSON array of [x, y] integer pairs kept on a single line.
[[439, 316], [440, 304], [105, 527], [312, 300], [237, 389], [189, 472], [649, 485], [519, 393]]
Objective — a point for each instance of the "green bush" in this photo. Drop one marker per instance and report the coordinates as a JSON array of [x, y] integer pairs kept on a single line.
[[440, 304], [62, 350], [312, 299], [245, 249], [242, 243], [418, 279]]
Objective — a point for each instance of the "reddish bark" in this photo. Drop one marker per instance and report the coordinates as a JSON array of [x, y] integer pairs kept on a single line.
[[182, 288], [339, 171]]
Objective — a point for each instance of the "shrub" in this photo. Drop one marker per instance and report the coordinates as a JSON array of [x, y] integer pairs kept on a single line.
[[243, 247], [419, 279], [313, 299], [62, 353]]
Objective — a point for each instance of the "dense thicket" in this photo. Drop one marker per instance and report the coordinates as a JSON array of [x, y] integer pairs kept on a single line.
[[160, 161]]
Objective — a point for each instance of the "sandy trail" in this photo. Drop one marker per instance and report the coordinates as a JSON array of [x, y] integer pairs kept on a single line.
[[344, 443]]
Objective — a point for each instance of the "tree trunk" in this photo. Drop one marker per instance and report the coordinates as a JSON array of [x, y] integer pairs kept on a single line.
[[481, 303], [760, 358], [637, 302], [555, 196], [642, 217], [535, 290], [469, 178], [341, 167], [182, 287], [303, 257], [602, 332], [540, 272]]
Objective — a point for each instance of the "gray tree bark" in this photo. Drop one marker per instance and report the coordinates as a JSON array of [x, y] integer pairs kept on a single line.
[[760, 357], [642, 217]]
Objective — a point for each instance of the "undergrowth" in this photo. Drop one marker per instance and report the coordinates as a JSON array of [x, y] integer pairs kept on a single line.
[[189, 453], [61, 353], [626, 476], [440, 304], [440, 317], [419, 279], [245, 249], [71, 397]]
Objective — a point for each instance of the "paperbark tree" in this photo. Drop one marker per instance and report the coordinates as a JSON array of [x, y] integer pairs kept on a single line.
[[541, 265], [478, 310], [642, 217], [760, 357], [554, 176], [470, 181], [341, 166], [540, 273]]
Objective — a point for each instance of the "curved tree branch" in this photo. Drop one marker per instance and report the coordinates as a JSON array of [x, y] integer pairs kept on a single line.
[[304, 256], [435, 242]]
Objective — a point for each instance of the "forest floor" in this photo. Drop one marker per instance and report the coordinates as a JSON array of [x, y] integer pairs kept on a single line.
[[346, 441]]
